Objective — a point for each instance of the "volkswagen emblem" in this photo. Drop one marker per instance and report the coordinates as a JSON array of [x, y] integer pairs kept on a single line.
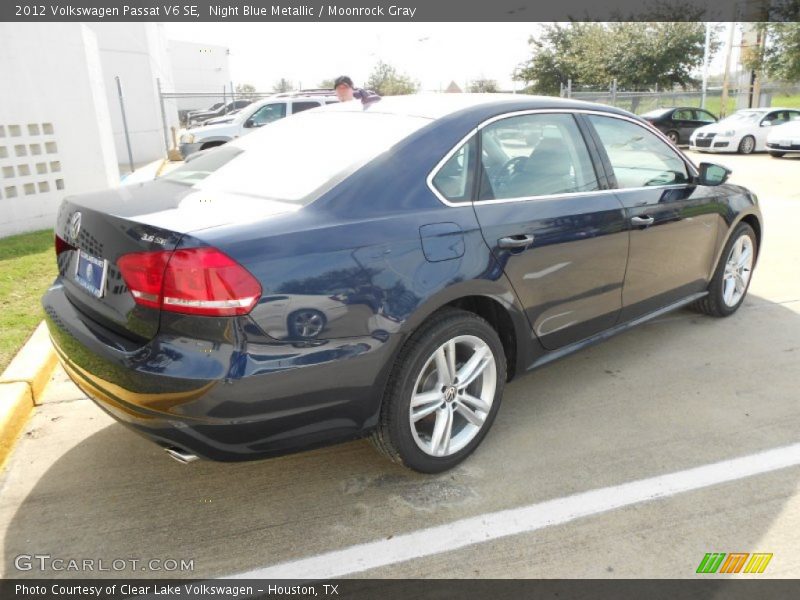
[[75, 226]]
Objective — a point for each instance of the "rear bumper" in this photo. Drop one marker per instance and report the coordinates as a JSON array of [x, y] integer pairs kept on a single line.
[[238, 401]]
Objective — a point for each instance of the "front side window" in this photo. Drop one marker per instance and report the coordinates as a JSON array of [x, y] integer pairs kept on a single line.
[[638, 157], [534, 155], [268, 114], [454, 179]]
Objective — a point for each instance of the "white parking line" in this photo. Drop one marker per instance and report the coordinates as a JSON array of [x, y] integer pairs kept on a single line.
[[525, 519]]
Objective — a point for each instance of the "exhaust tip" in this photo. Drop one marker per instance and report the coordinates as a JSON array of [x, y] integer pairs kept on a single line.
[[182, 456]]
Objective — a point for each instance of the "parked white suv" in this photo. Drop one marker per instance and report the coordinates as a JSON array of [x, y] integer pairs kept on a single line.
[[249, 118]]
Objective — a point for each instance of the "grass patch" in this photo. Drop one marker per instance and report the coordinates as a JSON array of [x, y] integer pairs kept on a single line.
[[27, 268]]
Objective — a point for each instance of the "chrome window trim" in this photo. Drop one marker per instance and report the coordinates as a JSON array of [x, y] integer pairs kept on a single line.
[[429, 180]]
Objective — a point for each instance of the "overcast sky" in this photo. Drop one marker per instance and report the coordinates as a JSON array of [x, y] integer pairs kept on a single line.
[[306, 53]]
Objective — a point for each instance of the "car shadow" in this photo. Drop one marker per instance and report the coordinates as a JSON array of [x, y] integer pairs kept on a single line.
[[679, 392]]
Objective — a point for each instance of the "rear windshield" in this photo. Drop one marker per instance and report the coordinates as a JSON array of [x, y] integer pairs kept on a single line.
[[291, 158]]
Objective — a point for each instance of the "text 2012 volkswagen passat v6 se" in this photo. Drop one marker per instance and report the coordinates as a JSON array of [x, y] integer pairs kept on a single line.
[[384, 271]]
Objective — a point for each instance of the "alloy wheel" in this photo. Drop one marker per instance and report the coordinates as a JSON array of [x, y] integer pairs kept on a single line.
[[738, 268], [453, 395]]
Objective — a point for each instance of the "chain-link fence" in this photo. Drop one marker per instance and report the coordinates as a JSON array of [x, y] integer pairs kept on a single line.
[[640, 102]]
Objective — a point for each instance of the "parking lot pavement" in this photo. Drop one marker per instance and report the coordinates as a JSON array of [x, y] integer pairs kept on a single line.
[[680, 392]]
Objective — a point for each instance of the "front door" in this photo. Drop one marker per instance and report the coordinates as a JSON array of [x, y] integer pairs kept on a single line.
[[562, 240], [673, 222]]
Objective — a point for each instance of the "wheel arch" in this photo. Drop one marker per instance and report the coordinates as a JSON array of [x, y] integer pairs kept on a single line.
[[499, 307], [753, 219]]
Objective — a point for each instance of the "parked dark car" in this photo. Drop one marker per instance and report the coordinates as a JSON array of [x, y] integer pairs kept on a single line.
[[383, 271], [679, 123], [198, 118]]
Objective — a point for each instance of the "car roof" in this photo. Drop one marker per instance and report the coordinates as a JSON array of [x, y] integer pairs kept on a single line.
[[438, 105], [766, 109], [286, 98]]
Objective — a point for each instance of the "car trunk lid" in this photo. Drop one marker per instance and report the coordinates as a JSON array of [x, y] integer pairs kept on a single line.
[[94, 231]]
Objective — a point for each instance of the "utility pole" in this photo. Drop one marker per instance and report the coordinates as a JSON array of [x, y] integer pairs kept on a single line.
[[723, 109], [706, 52]]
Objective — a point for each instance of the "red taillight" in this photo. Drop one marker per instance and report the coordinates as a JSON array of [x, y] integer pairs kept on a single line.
[[62, 245], [200, 281], [143, 273]]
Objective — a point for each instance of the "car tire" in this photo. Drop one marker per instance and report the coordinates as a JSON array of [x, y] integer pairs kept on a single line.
[[747, 145], [776, 154], [673, 136], [421, 445], [718, 303]]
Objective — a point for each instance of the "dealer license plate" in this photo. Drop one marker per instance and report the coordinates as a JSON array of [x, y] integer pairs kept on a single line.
[[90, 273]]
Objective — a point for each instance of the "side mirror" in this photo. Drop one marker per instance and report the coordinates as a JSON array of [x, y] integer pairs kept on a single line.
[[766, 123], [711, 174], [249, 123]]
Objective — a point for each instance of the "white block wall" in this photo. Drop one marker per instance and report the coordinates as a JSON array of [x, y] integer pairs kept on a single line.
[[55, 128], [137, 53], [199, 67]]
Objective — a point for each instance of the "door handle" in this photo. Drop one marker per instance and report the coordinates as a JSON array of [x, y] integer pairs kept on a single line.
[[515, 241], [642, 221]]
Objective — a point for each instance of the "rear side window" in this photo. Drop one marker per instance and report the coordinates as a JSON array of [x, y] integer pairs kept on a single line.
[[454, 179], [639, 158], [534, 155], [301, 106], [682, 115]]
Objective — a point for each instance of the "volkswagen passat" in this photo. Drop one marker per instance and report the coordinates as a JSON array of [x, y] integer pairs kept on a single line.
[[383, 271]]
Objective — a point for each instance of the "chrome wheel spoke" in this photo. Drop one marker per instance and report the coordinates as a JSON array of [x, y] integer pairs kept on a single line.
[[442, 431], [474, 367], [728, 290], [470, 415], [476, 403], [450, 354], [744, 258], [442, 374], [424, 411], [423, 398]]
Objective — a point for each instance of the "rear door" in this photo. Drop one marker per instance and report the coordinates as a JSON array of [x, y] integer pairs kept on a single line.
[[684, 121], [560, 238], [673, 222]]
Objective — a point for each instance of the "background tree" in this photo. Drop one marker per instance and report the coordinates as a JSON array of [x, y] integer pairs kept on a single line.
[[482, 85], [385, 80], [245, 90], [638, 55], [283, 85], [780, 57], [326, 84]]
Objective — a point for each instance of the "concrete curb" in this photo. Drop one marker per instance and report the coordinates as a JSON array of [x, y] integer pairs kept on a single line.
[[22, 384]]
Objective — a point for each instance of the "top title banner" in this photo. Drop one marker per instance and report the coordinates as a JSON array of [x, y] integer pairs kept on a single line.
[[400, 10]]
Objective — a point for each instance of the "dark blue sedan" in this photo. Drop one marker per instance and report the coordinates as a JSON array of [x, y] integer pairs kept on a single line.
[[383, 271]]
